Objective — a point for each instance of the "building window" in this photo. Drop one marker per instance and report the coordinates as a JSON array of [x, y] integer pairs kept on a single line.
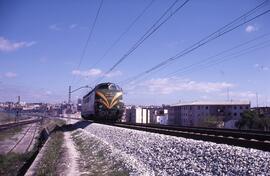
[[235, 107], [241, 107], [206, 107], [198, 107], [246, 107], [235, 114]]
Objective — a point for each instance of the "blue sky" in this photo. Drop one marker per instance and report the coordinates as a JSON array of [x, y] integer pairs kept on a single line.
[[41, 43]]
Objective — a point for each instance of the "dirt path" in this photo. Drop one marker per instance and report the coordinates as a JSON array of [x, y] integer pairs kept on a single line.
[[72, 156]]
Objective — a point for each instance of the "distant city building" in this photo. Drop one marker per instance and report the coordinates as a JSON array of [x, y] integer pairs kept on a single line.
[[145, 114], [137, 115], [262, 110], [162, 117], [192, 114]]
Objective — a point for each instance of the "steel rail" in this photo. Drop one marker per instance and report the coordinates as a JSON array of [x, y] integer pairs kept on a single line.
[[20, 123], [19, 141], [246, 134], [260, 141], [32, 138]]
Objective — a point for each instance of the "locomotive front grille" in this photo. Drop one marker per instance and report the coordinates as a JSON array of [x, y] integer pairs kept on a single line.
[[109, 100]]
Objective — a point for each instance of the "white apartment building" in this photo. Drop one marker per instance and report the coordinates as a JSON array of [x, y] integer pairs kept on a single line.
[[190, 114], [146, 115], [137, 115]]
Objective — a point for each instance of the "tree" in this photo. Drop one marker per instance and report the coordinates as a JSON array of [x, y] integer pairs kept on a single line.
[[211, 122], [253, 120]]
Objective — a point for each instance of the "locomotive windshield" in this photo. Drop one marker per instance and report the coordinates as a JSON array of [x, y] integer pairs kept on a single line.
[[114, 87], [109, 86]]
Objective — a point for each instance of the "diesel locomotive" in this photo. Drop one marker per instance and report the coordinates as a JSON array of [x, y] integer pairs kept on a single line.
[[103, 103]]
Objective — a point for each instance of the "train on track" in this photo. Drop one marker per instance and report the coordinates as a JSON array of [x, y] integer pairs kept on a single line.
[[103, 103]]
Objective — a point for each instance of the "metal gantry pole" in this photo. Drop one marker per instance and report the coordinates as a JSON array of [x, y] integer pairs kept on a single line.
[[69, 94], [71, 91]]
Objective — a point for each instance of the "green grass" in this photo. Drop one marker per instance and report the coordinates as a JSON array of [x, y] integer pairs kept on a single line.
[[8, 133], [12, 162], [52, 123], [49, 163], [6, 117]]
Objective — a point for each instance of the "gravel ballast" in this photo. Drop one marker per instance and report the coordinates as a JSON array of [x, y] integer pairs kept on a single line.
[[156, 154]]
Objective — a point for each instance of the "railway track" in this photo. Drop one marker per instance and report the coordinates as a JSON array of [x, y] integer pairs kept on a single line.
[[25, 139], [243, 138], [20, 123], [32, 138]]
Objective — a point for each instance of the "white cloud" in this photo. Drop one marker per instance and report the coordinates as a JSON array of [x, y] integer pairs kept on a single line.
[[48, 92], [261, 67], [10, 75], [265, 68], [60, 27], [251, 28], [256, 65], [246, 94], [55, 27], [72, 26], [29, 94], [91, 72], [114, 73], [171, 85], [8, 46], [94, 72]]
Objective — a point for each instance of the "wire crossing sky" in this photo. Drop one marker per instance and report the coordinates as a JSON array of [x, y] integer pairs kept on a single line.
[[243, 19], [91, 29], [148, 33], [123, 34], [160, 52]]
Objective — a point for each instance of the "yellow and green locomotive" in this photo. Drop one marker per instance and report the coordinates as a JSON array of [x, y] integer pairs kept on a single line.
[[103, 103]]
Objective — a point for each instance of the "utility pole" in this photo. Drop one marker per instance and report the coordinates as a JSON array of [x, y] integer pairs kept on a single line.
[[228, 94], [71, 91], [17, 108], [257, 100], [69, 94], [19, 99]]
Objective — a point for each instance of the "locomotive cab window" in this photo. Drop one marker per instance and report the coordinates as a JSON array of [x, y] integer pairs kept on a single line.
[[103, 86], [114, 87]]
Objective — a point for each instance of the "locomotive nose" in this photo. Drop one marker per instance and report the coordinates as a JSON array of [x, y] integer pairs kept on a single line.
[[108, 99]]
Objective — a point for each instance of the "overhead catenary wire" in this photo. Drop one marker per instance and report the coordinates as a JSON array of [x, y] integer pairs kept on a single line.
[[148, 33], [123, 34], [210, 59], [216, 55], [91, 29], [218, 33], [235, 55]]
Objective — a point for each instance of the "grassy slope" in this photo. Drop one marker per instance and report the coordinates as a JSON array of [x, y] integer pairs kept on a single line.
[[12, 162], [49, 162]]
